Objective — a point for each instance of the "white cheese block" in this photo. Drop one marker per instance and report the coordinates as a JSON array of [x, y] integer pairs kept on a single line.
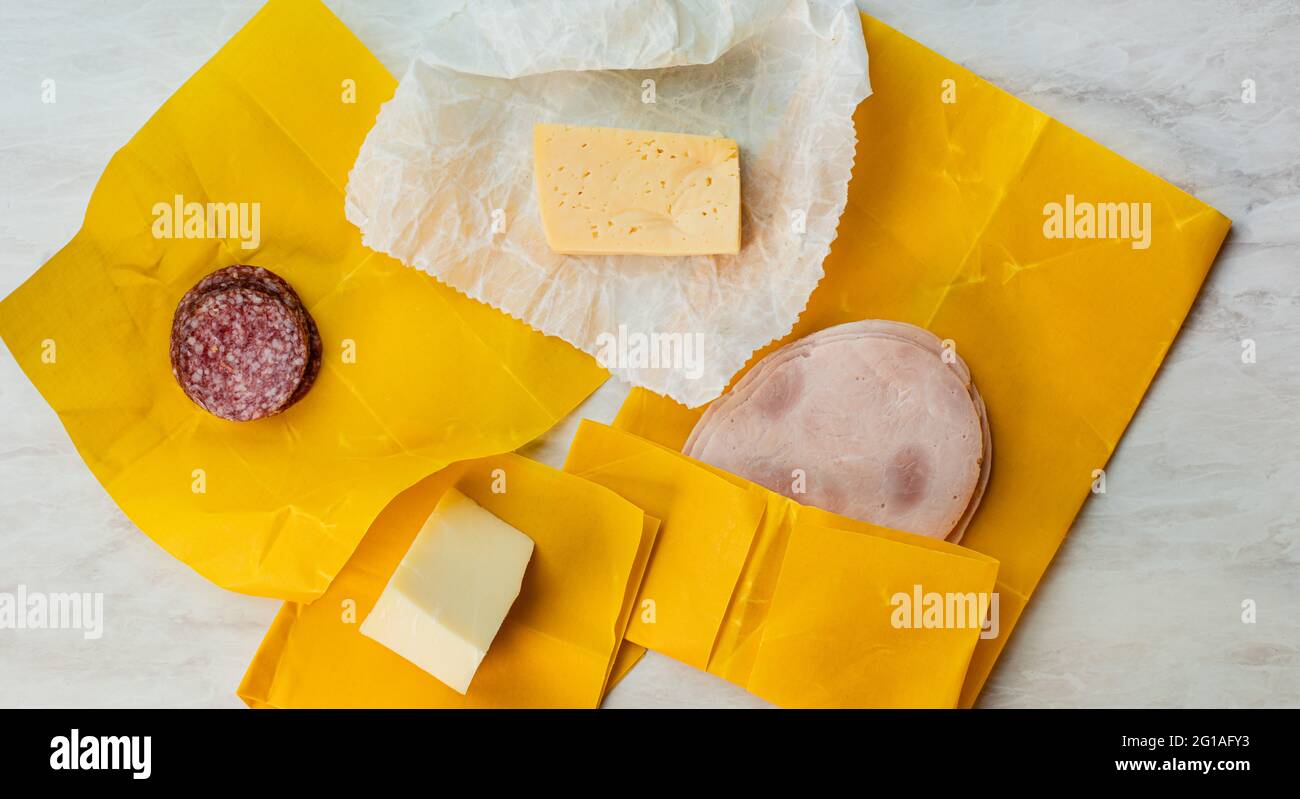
[[448, 597], [615, 191]]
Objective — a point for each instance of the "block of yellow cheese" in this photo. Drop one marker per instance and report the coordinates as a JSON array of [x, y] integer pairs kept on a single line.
[[606, 191], [448, 597]]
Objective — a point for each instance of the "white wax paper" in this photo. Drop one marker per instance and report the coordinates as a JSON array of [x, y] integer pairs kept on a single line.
[[444, 180]]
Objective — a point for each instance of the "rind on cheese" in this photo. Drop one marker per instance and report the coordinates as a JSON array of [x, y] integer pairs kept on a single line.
[[450, 594], [607, 191]]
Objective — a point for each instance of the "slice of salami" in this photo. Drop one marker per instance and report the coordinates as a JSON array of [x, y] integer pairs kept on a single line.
[[264, 280], [239, 352]]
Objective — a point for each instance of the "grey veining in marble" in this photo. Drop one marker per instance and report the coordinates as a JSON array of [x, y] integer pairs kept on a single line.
[[1143, 604]]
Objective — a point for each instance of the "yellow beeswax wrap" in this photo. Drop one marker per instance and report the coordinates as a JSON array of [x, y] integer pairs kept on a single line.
[[796, 604], [559, 645], [945, 228], [415, 375]]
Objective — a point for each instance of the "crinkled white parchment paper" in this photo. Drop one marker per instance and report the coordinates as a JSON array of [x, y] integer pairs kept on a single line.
[[444, 181]]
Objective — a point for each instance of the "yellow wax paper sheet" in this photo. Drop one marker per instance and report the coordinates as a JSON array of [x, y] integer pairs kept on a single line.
[[794, 603], [945, 229], [559, 645], [415, 375]]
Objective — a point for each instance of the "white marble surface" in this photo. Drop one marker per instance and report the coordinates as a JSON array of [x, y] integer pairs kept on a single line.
[[1141, 607]]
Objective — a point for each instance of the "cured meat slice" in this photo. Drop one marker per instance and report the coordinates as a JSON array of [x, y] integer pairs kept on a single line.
[[986, 465], [884, 427], [239, 352], [870, 327], [267, 281]]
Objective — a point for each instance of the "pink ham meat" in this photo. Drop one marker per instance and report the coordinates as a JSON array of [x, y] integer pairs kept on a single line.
[[883, 426]]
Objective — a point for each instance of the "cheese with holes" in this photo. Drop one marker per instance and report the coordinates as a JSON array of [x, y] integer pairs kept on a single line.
[[605, 191], [448, 597]]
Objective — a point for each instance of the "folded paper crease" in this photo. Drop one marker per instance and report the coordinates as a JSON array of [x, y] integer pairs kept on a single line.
[[560, 645], [947, 205], [796, 604], [415, 375]]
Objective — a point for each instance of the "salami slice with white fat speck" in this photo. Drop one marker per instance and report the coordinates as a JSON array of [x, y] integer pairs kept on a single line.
[[239, 352], [265, 280]]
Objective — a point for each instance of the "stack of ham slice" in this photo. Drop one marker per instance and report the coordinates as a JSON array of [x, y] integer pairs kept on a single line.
[[871, 420]]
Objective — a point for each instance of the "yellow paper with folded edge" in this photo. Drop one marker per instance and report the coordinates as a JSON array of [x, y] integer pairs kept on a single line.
[[808, 617], [559, 645], [944, 229], [415, 375], [692, 576]]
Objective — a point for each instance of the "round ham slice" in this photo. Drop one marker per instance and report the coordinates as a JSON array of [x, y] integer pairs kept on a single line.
[[883, 427]]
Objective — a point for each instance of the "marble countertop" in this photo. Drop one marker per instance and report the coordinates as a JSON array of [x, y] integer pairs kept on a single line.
[[1142, 606]]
